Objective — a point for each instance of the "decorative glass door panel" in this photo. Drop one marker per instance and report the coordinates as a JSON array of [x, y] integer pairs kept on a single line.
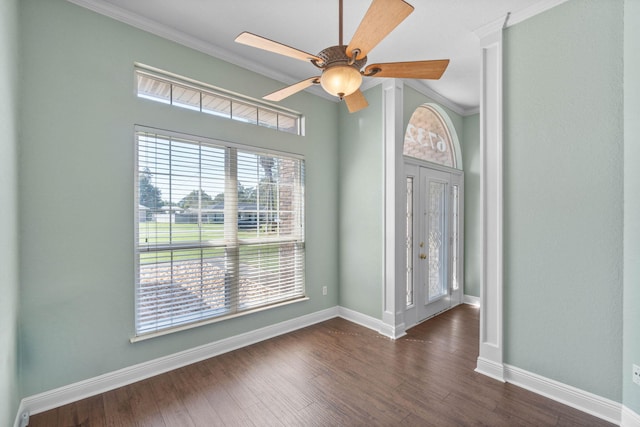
[[433, 255], [409, 243], [436, 238], [455, 236]]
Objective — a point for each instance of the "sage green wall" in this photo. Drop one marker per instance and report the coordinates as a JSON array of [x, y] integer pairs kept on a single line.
[[470, 143], [563, 194], [631, 353], [9, 287], [362, 199], [76, 189], [361, 206]]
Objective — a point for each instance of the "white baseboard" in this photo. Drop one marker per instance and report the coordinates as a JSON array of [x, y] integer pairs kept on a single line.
[[587, 402], [22, 417], [360, 319], [372, 323], [629, 418], [490, 369], [112, 380], [393, 332], [471, 300], [576, 398]]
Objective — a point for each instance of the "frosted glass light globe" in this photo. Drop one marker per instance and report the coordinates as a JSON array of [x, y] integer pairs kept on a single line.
[[341, 80]]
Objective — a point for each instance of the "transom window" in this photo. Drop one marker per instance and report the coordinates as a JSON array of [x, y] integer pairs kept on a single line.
[[427, 138], [219, 230], [185, 93]]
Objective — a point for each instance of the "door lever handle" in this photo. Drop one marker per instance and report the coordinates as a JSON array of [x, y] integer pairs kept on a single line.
[[423, 256]]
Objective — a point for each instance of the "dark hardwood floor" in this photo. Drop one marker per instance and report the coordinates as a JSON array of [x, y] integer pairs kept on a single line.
[[332, 374]]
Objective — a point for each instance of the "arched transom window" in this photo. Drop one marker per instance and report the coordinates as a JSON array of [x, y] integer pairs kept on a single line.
[[428, 138]]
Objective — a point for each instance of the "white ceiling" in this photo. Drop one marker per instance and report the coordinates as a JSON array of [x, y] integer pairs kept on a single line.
[[437, 29]]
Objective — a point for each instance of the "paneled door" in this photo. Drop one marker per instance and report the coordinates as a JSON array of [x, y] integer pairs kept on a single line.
[[435, 248]]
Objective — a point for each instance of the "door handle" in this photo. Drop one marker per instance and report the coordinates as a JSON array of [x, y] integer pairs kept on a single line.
[[423, 256]]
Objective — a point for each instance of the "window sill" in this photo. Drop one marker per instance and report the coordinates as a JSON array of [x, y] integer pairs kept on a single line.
[[149, 335]]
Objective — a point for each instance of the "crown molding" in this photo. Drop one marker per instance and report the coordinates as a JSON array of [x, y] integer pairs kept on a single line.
[[422, 87], [160, 30], [516, 17]]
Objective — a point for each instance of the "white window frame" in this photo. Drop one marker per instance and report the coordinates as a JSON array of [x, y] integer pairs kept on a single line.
[[237, 102], [296, 238]]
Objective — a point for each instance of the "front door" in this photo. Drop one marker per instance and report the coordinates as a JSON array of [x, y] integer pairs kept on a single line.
[[436, 249]]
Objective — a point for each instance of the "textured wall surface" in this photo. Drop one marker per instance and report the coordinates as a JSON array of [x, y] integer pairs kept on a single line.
[[563, 194], [361, 206], [472, 227], [631, 355], [9, 287], [77, 196]]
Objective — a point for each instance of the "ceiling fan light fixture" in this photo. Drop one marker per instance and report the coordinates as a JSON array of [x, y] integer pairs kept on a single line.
[[341, 80], [341, 65]]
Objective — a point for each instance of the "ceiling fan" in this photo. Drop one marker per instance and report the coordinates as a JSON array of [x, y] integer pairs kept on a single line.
[[342, 65]]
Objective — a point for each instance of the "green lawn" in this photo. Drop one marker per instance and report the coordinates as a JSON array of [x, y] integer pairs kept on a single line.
[[160, 233]]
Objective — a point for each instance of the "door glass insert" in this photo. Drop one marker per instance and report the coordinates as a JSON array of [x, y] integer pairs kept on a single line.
[[409, 241], [436, 257], [454, 237]]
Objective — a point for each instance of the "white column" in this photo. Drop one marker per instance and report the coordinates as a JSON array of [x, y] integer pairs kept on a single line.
[[490, 360], [393, 324]]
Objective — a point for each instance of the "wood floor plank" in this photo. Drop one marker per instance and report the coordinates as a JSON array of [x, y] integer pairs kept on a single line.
[[258, 411], [197, 405], [169, 402], [117, 408], [330, 374], [143, 404], [210, 380], [44, 419], [80, 414]]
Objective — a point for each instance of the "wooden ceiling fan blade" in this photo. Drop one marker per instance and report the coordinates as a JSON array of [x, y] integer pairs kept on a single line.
[[356, 101], [281, 94], [381, 18], [409, 70], [263, 43]]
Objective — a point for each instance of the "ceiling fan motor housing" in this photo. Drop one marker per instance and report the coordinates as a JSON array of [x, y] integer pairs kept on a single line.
[[341, 75], [337, 55]]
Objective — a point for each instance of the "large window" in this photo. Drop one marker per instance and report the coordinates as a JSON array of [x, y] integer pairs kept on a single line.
[[219, 230]]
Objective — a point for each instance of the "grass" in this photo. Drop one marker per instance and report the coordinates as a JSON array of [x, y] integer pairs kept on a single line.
[[153, 233], [165, 233]]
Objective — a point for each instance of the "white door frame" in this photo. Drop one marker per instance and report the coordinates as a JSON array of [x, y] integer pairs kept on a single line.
[[393, 302], [415, 168], [490, 359], [393, 323]]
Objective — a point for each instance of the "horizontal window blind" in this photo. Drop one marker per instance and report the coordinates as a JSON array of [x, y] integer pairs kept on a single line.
[[219, 230]]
